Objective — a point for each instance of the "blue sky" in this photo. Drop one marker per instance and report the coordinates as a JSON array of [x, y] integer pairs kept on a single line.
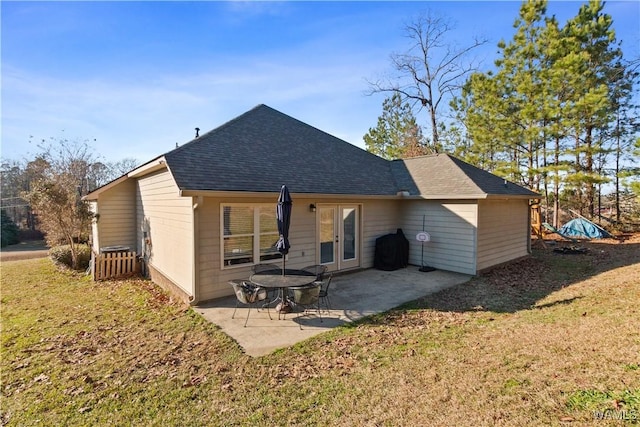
[[138, 77]]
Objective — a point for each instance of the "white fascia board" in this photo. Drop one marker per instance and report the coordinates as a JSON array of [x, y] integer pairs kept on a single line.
[[147, 168]]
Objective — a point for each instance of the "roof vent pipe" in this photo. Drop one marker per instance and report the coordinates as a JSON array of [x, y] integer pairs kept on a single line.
[[197, 132]]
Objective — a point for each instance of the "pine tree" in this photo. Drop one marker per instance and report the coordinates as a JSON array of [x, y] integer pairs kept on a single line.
[[546, 116], [480, 111], [590, 38], [520, 77], [397, 134], [504, 111]]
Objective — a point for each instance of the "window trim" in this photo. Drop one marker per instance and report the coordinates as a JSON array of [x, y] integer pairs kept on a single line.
[[257, 208]]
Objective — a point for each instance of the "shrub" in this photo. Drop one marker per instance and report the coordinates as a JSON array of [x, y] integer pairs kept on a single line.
[[9, 230], [62, 255]]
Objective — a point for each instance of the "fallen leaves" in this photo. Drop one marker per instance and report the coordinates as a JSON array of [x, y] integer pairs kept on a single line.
[[194, 380], [128, 344], [41, 378]]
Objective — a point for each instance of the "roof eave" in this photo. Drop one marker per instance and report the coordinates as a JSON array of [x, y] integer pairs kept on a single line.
[[152, 166], [147, 168], [513, 196], [274, 194], [476, 196], [96, 193], [447, 196], [399, 196]]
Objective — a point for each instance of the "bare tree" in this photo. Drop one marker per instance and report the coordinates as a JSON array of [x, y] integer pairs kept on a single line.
[[100, 173], [44, 193], [59, 178], [121, 167], [431, 69]]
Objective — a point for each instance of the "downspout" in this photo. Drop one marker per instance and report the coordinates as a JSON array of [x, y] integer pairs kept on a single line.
[[195, 275]]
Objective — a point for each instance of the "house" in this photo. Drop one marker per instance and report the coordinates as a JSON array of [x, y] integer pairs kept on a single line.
[[204, 213]]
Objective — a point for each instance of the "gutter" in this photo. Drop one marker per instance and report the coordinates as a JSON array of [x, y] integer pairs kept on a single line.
[[237, 194], [195, 272]]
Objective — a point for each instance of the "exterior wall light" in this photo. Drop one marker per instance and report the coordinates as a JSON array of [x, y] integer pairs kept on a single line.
[[312, 207]]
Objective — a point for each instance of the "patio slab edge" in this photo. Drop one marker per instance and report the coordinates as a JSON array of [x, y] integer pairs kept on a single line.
[[353, 297]]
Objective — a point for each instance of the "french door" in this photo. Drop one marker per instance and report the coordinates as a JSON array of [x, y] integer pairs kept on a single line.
[[339, 236]]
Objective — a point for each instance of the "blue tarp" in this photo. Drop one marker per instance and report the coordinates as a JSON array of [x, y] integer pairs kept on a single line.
[[583, 228]]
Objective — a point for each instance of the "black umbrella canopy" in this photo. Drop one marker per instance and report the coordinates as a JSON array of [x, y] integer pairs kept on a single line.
[[283, 216]]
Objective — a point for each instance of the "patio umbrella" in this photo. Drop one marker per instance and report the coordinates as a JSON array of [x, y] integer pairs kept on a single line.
[[283, 216]]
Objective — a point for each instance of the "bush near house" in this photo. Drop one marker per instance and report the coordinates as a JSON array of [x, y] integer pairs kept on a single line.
[[62, 255]]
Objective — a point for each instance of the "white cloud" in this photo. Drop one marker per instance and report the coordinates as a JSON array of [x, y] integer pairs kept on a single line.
[[145, 118]]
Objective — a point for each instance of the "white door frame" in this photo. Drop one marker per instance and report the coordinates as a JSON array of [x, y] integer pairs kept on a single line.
[[339, 239]]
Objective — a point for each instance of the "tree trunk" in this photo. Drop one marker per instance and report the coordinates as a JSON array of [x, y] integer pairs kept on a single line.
[[556, 185], [617, 179], [590, 190], [434, 122]]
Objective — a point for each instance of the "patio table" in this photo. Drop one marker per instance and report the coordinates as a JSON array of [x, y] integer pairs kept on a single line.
[[276, 280]]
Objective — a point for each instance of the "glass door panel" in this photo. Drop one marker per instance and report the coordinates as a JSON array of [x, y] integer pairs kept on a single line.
[[349, 231], [349, 238], [327, 235], [339, 239]]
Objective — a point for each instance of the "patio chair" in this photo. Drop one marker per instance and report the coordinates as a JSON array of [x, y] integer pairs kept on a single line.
[[324, 292], [318, 270], [248, 294], [307, 297]]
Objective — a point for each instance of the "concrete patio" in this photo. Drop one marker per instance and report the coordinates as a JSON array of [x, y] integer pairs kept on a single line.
[[353, 296]]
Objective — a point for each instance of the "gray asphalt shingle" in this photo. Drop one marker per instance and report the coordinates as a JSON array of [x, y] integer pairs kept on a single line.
[[442, 175], [262, 149]]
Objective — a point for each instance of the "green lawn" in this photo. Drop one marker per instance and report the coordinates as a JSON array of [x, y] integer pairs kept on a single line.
[[554, 340]]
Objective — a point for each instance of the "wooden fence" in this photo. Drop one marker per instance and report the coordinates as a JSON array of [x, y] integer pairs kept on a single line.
[[113, 265]]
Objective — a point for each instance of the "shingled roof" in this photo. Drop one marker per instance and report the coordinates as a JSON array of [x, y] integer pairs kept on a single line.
[[262, 149], [443, 176]]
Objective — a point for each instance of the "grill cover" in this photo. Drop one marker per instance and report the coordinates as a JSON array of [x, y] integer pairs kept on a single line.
[[392, 252]]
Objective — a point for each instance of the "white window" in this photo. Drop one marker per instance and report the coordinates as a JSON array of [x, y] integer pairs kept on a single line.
[[249, 234]]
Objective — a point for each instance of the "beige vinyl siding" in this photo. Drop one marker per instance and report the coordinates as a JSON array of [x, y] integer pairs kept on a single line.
[[116, 221], [168, 220], [452, 227], [377, 218], [213, 277], [302, 235], [503, 231], [209, 250]]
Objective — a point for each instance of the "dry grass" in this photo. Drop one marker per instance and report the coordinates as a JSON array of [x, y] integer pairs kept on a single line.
[[551, 340]]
